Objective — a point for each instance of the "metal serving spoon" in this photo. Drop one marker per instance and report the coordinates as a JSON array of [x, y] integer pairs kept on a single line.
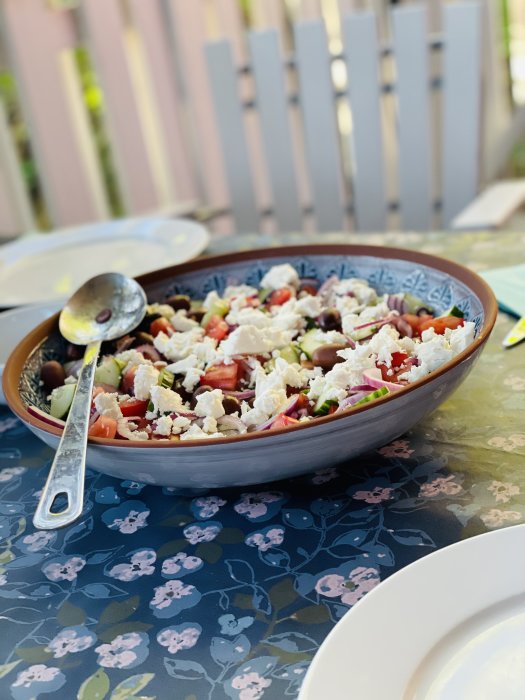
[[104, 308]]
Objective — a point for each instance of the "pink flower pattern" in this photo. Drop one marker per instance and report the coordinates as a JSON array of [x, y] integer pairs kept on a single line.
[[351, 589], [374, 496], [503, 491], [64, 571], [36, 673], [251, 685], [441, 486], [169, 591], [398, 448], [175, 641]]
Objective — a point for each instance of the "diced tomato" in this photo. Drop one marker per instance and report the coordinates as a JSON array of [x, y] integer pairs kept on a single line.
[[96, 391], [252, 301], [415, 321], [128, 380], [221, 376], [161, 324], [283, 421], [133, 407], [441, 324], [390, 374], [103, 427], [333, 408], [279, 297], [217, 328]]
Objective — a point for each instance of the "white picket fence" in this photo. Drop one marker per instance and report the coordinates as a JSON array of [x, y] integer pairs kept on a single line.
[[293, 151]]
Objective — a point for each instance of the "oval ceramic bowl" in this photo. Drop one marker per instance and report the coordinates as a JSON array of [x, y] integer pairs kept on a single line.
[[276, 454]]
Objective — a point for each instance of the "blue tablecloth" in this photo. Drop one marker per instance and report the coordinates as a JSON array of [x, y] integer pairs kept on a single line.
[[228, 594]]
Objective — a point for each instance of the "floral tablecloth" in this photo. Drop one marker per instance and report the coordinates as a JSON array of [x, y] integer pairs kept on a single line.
[[219, 595]]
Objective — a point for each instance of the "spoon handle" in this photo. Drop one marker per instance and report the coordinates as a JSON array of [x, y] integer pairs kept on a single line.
[[66, 476]]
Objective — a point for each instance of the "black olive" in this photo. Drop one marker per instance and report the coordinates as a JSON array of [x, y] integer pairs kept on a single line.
[[231, 404], [52, 374], [196, 315], [330, 320], [179, 301]]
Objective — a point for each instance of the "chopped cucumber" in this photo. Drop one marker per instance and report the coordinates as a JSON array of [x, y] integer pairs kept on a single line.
[[121, 363], [290, 353], [377, 394], [454, 311], [61, 400], [413, 303], [361, 333], [312, 340], [323, 404], [108, 372], [263, 293], [220, 307], [166, 378]]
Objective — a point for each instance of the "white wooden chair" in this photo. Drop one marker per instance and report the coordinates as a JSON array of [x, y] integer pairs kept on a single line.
[[412, 158], [438, 131]]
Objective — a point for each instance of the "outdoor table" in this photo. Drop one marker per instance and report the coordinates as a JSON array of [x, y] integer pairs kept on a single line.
[[224, 594]]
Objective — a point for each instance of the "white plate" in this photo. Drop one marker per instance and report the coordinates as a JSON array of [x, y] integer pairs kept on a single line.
[[451, 626], [16, 324], [47, 266]]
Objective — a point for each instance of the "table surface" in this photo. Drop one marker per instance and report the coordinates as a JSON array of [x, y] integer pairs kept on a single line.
[[229, 594]]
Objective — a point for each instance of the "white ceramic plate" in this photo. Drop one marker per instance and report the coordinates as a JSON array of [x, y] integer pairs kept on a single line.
[[451, 626], [16, 324], [46, 266]]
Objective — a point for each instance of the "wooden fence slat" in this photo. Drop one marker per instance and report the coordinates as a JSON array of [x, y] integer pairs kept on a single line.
[[149, 21], [320, 125], [15, 209], [461, 106], [229, 117], [409, 26], [272, 106], [103, 26], [361, 54], [47, 109]]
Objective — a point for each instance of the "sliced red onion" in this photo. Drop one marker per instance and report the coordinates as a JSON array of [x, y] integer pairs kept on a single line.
[[326, 289], [351, 342], [397, 302], [374, 378], [362, 387], [184, 414], [45, 417], [149, 352], [369, 324], [402, 326], [73, 368], [351, 400], [241, 395], [93, 418], [291, 407], [124, 343], [231, 423]]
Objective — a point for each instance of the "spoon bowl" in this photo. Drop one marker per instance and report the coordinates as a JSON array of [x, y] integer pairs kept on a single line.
[[104, 308], [117, 294]]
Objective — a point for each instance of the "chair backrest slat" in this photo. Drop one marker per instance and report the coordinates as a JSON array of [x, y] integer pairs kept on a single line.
[[272, 106], [62, 147], [230, 123], [320, 123], [104, 29], [412, 87], [361, 50], [461, 106], [15, 210]]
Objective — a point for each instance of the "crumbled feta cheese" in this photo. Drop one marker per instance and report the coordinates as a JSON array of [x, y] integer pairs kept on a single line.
[[209, 403], [238, 291], [179, 424], [146, 377], [192, 378], [209, 425], [70, 380], [309, 306], [182, 366], [133, 358], [280, 276], [461, 337], [358, 288], [384, 343], [165, 401], [163, 426], [432, 352], [179, 345], [347, 305], [128, 430], [107, 405], [181, 322], [211, 299], [196, 433], [245, 340], [249, 316]]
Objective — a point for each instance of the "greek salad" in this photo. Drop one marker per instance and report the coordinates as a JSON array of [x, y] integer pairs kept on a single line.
[[252, 359]]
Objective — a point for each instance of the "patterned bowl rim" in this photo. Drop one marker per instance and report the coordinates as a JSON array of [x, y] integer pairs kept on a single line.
[[476, 284]]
